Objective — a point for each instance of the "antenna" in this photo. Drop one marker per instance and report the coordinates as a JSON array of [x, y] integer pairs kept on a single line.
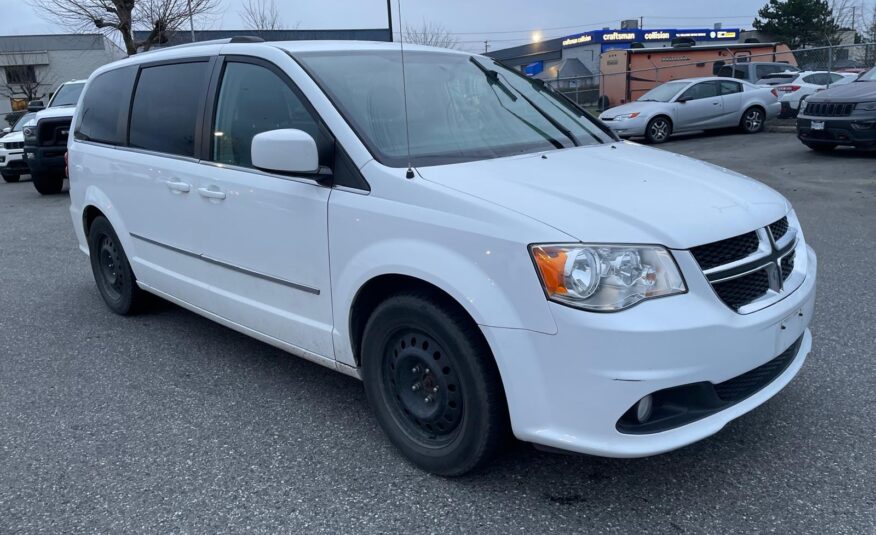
[[410, 172]]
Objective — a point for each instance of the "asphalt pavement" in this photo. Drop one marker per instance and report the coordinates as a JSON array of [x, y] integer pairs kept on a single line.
[[168, 422]]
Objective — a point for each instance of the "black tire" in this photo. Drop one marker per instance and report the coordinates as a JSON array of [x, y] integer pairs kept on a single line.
[[48, 182], [10, 177], [433, 384], [112, 271], [752, 120], [821, 147], [658, 130]]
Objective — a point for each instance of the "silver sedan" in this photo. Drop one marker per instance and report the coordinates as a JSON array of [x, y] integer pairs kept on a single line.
[[692, 105]]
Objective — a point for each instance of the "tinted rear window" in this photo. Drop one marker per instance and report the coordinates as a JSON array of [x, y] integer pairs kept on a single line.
[[104, 106], [166, 105], [67, 95]]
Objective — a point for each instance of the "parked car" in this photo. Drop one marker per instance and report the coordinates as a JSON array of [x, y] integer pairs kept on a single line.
[[753, 71], [45, 142], [692, 105], [12, 164], [492, 261], [842, 115], [793, 87]]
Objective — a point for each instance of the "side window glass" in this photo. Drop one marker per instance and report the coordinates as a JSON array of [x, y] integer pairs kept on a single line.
[[702, 90], [740, 73], [166, 103], [764, 70], [104, 107], [252, 100], [834, 78], [729, 88]]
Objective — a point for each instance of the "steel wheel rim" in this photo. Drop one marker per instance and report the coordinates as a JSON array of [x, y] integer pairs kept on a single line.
[[752, 120], [422, 388], [659, 130], [109, 263]]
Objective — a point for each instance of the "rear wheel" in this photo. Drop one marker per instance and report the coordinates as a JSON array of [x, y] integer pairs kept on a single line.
[[752, 121], [112, 272], [433, 384], [48, 182], [821, 147], [659, 129], [10, 177]]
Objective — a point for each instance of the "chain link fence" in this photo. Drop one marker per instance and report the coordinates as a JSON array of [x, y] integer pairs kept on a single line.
[[588, 91]]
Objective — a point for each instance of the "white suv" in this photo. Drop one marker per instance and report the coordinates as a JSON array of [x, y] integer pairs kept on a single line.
[[505, 264]]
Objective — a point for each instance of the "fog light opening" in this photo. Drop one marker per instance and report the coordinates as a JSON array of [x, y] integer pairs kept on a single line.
[[644, 408]]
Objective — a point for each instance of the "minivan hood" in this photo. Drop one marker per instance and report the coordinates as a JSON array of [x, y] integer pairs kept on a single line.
[[853, 92], [620, 193]]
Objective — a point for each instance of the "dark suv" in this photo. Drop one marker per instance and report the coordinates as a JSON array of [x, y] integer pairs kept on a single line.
[[842, 115], [45, 142]]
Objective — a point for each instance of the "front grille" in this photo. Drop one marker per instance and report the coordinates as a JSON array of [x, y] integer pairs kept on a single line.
[[787, 266], [53, 132], [725, 251], [12, 145], [779, 228], [751, 382], [740, 291], [829, 109]]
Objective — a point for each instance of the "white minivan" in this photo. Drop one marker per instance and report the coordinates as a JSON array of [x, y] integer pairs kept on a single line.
[[485, 256]]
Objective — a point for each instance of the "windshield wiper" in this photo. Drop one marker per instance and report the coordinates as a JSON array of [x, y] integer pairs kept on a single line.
[[493, 79], [556, 124]]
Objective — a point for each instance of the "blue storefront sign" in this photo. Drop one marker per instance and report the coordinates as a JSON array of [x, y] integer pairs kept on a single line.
[[610, 38], [533, 68]]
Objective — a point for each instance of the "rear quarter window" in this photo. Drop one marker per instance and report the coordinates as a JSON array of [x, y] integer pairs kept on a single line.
[[104, 109]]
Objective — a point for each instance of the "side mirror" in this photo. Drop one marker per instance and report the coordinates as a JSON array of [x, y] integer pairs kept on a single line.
[[684, 98], [7, 130], [35, 105], [285, 151]]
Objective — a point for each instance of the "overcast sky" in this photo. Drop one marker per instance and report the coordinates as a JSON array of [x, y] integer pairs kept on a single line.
[[503, 23]]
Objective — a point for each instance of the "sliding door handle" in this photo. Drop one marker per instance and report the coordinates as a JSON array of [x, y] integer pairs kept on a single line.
[[212, 192]]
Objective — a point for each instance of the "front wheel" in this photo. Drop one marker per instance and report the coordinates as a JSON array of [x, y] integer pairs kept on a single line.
[[658, 131], [433, 384], [48, 182], [752, 121], [10, 177]]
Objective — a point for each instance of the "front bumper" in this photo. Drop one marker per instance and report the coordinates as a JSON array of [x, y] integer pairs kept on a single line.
[[629, 127], [570, 390], [859, 131], [12, 161]]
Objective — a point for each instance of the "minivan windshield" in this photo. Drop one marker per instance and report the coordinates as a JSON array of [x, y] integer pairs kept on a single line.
[[67, 95], [460, 108], [663, 93]]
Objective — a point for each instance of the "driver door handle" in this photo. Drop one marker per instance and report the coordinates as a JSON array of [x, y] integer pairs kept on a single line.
[[178, 186], [212, 192]]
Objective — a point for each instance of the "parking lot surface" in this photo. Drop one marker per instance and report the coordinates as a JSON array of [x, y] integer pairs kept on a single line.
[[169, 422]]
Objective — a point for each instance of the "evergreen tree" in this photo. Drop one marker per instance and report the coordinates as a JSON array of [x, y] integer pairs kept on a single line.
[[798, 23]]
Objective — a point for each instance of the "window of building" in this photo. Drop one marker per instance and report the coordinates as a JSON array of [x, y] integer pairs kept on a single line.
[[164, 114], [104, 106], [21, 74]]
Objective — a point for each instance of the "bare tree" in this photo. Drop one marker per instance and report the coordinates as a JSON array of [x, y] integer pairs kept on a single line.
[[119, 18], [429, 34], [261, 15]]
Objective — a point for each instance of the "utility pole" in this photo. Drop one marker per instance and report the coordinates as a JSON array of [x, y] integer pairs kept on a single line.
[[191, 21], [641, 22]]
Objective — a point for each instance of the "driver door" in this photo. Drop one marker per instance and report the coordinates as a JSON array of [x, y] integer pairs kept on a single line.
[[699, 107]]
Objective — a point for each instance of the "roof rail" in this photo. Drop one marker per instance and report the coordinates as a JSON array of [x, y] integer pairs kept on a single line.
[[224, 41]]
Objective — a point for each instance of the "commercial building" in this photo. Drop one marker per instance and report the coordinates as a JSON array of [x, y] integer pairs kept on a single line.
[[577, 55], [32, 66]]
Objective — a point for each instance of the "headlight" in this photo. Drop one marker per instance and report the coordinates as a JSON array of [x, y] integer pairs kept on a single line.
[[802, 106], [626, 116], [2, 146], [866, 106], [606, 278]]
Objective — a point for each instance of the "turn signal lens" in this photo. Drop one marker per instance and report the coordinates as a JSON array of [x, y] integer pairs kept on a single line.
[[606, 278]]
